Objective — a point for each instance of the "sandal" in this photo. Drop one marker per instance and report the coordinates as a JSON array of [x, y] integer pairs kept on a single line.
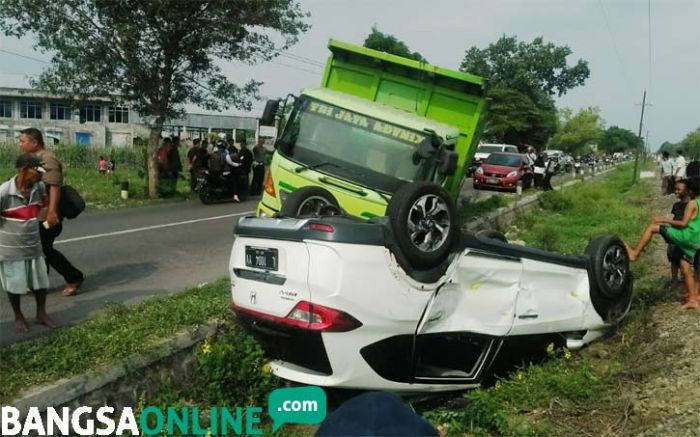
[[72, 290]]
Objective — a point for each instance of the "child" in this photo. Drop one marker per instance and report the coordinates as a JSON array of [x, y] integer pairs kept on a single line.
[[683, 233], [102, 165], [111, 166], [22, 265], [674, 253]]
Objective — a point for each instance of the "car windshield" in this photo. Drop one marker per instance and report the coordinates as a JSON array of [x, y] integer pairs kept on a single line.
[[504, 160], [355, 147], [489, 149]]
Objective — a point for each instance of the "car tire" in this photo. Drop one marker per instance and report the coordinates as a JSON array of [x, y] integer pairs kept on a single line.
[[424, 223], [609, 277], [310, 202], [493, 235]]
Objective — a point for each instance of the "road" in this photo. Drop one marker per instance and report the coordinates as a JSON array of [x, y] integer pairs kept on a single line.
[[133, 254]]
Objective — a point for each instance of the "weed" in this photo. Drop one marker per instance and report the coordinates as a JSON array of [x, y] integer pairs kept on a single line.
[[114, 334], [470, 208]]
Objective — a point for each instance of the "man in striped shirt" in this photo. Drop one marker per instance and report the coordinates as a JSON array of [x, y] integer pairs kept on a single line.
[[22, 265]]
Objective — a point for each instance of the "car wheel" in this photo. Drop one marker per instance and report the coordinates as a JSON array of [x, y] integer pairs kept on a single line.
[[609, 276], [424, 222], [310, 202], [494, 235]]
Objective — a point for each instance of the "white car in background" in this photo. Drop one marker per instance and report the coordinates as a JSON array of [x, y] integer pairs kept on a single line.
[[407, 303]]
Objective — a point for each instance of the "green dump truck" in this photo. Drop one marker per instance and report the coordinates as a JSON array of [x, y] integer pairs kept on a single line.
[[377, 122]]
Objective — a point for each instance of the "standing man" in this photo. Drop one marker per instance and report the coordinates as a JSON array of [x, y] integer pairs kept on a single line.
[[550, 168], [679, 167], [22, 265], [666, 174], [245, 158], [258, 168], [192, 162], [31, 141]]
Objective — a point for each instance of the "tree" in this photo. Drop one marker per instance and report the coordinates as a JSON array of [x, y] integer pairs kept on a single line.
[[156, 54], [691, 144], [616, 139], [667, 146], [515, 119], [579, 132], [536, 70], [390, 44]]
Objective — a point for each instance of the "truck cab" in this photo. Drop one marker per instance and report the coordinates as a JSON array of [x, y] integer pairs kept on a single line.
[[377, 122]]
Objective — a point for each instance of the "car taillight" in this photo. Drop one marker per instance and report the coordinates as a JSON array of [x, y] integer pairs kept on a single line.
[[319, 318], [320, 227], [306, 315], [269, 184]]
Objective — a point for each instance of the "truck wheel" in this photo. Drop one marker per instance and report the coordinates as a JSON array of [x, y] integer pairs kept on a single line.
[[494, 235], [424, 223], [310, 202], [609, 276]]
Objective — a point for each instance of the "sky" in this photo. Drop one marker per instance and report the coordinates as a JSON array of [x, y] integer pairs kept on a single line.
[[612, 35]]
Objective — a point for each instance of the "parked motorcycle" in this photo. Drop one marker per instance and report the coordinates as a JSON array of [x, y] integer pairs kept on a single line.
[[215, 188]]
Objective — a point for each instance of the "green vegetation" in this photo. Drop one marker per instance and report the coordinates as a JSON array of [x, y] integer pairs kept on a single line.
[[154, 54], [690, 145], [101, 191], [524, 77], [559, 396], [470, 209], [578, 131], [387, 43], [114, 334]]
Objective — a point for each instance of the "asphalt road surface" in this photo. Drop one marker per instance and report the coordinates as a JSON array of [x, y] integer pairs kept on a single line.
[[133, 254]]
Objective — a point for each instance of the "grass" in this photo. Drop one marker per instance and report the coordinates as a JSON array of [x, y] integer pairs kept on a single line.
[[113, 334], [561, 395], [100, 191], [470, 209]]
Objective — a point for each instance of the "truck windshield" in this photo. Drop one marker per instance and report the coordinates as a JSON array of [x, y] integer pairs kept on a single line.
[[353, 146]]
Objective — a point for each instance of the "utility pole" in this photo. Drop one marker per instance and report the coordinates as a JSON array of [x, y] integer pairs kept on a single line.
[[641, 121], [646, 146]]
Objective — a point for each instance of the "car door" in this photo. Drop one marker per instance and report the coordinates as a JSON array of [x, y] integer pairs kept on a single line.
[[465, 320]]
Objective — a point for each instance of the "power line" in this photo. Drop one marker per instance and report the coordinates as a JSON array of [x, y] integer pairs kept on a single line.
[[24, 56], [614, 44], [302, 59]]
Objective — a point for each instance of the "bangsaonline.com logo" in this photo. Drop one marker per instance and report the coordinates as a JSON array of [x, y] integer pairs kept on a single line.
[[302, 405]]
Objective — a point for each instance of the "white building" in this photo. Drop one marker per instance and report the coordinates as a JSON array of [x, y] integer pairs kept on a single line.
[[99, 122]]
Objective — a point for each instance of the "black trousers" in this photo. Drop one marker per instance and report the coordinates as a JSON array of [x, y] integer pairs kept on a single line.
[[547, 184], [256, 185], [55, 258]]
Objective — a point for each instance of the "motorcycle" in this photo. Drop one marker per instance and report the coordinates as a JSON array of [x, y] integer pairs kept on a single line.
[[214, 188]]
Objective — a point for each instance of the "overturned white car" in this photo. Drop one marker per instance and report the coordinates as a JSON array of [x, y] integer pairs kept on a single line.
[[406, 302]]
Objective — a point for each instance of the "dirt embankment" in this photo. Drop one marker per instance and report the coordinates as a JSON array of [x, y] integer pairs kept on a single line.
[[659, 385]]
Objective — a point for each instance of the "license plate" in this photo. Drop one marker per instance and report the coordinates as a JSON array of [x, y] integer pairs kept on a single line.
[[492, 181], [261, 258]]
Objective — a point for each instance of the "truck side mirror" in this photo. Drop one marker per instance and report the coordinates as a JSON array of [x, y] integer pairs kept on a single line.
[[448, 163], [270, 112]]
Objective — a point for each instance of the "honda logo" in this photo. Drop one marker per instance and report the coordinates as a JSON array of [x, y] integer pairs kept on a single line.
[[253, 297]]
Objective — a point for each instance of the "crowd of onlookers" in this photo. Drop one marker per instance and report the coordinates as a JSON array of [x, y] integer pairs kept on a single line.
[[233, 162], [681, 231]]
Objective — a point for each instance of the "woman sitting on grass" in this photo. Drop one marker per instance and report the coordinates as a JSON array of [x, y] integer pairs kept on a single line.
[[685, 234]]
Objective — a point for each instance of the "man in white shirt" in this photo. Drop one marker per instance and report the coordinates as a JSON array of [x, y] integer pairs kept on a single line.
[[679, 167], [666, 174]]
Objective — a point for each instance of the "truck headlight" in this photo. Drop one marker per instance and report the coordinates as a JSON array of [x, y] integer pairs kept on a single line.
[[512, 174]]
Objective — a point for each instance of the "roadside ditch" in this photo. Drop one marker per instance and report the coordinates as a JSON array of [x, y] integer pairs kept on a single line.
[[203, 364]]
